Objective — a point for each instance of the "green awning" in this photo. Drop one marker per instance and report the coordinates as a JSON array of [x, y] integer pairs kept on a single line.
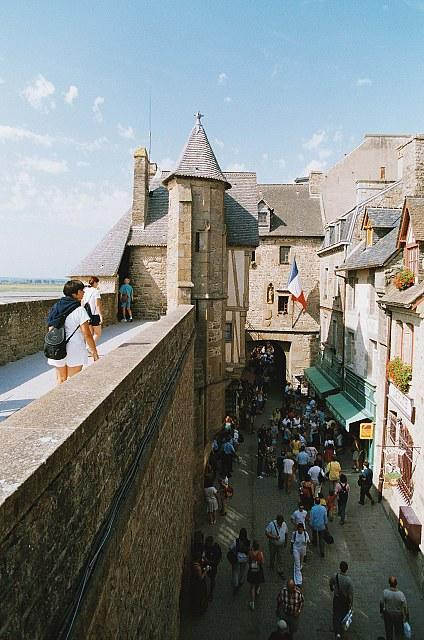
[[345, 411], [319, 381]]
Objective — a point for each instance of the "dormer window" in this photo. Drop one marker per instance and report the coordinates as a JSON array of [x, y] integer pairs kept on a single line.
[[264, 216], [411, 252], [369, 233]]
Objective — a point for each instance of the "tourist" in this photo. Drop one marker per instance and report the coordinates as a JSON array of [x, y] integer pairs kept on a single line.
[[276, 532], [93, 305], [255, 573], [394, 609], [228, 453], [318, 520], [200, 583], [198, 544], [240, 547], [329, 451], [213, 555], [333, 470], [281, 633], [302, 463], [126, 296], [290, 603], [296, 443], [306, 491], [299, 542], [331, 504], [211, 503], [317, 477], [77, 331], [342, 492], [300, 516], [225, 491], [288, 472], [280, 470], [342, 587], [365, 483]]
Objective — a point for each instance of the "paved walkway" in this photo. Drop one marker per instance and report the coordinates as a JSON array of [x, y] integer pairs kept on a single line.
[[368, 542], [23, 381]]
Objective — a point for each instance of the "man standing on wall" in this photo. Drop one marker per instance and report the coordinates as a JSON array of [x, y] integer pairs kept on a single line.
[[126, 295]]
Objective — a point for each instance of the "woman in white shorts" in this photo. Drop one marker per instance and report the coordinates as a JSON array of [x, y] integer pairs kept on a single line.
[[92, 298], [77, 327]]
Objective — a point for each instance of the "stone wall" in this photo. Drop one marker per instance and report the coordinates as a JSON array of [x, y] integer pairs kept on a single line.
[[64, 460], [147, 271], [23, 325]]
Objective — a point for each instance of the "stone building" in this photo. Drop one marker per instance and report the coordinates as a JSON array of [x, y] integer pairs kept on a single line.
[[188, 239], [290, 226]]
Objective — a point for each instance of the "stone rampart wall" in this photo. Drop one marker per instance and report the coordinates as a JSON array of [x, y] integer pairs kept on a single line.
[[64, 460], [23, 325]]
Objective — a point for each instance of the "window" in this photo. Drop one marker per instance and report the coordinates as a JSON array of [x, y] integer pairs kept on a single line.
[[284, 255], [336, 282], [411, 259], [407, 343], [398, 339], [334, 333], [262, 218], [372, 359], [371, 293], [253, 256], [369, 236], [325, 284], [324, 329], [352, 282], [350, 346], [283, 304], [382, 173], [197, 241], [228, 332]]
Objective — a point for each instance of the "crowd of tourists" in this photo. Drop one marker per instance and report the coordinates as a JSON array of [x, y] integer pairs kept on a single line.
[[299, 446]]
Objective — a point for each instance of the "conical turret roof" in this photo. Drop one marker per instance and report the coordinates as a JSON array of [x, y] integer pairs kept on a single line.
[[197, 159]]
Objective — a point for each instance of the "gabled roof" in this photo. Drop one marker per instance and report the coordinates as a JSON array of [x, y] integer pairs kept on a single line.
[[414, 206], [197, 159], [363, 257], [240, 210], [382, 217], [105, 258], [295, 213]]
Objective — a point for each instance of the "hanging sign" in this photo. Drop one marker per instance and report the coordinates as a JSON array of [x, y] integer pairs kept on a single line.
[[366, 430]]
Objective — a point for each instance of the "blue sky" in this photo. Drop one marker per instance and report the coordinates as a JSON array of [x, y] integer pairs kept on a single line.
[[285, 86]]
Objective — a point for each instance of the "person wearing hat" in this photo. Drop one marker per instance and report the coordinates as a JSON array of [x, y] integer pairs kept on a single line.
[[281, 633]]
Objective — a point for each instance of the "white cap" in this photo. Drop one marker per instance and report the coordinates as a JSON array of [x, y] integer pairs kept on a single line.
[[282, 625]]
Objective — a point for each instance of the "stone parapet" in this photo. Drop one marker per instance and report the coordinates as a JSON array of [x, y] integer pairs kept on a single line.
[[109, 451]]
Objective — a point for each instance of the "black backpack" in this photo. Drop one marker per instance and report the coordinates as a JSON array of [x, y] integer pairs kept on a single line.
[[55, 340]]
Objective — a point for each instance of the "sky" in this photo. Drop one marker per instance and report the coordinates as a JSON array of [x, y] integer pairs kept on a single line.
[[285, 86]]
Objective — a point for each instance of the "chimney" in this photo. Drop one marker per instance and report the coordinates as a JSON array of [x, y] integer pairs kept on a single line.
[[141, 187], [367, 188], [411, 160], [316, 178]]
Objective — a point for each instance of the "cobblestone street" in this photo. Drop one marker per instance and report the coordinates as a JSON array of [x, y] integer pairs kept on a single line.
[[368, 542]]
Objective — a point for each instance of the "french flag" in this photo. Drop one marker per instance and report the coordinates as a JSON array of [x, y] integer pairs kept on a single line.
[[294, 285]]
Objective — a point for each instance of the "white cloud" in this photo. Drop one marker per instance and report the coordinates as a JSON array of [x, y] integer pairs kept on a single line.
[[314, 165], [265, 157], [228, 99], [222, 78], [166, 164], [17, 134], [71, 94], [94, 145], [282, 163], [219, 143], [2, 80], [338, 136], [44, 165], [315, 141], [97, 105], [236, 166], [126, 132], [324, 153], [38, 94], [83, 163], [363, 82], [300, 157]]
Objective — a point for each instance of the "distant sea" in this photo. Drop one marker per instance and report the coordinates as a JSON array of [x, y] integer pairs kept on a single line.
[[16, 292]]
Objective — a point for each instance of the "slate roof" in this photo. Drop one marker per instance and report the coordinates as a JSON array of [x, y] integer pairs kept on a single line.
[[295, 212], [406, 298], [415, 207], [197, 159], [240, 206], [363, 257], [105, 258], [381, 217]]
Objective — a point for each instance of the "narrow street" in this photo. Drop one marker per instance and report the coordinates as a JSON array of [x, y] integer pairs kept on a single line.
[[368, 542]]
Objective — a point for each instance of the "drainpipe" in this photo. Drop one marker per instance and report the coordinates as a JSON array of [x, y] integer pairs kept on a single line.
[[344, 278], [385, 410]]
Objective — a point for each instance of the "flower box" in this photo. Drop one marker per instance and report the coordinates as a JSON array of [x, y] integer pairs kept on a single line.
[[400, 374], [404, 279]]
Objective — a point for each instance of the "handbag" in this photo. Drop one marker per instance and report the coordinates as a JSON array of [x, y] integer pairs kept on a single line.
[[407, 631], [232, 557], [328, 538], [347, 620], [94, 317]]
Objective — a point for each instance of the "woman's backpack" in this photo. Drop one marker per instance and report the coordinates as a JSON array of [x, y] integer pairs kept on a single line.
[[55, 340]]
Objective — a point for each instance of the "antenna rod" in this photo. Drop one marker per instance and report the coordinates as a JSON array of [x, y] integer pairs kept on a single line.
[[150, 125]]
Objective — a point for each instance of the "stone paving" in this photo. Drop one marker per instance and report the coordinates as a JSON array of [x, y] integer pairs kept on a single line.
[[367, 541], [24, 380]]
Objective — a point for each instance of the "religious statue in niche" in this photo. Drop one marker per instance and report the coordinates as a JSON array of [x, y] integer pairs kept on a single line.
[[270, 293]]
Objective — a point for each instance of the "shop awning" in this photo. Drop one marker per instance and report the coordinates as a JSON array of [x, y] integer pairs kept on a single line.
[[345, 411], [322, 385]]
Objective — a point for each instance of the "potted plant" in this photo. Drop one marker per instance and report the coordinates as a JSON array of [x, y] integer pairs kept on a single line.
[[404, 279], [400, 374]]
